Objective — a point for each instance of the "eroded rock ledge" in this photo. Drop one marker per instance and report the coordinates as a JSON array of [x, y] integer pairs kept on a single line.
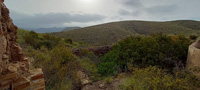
[[14, 66]]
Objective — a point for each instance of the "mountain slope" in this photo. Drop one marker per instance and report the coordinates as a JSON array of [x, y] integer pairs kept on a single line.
[[50, 30], [112, 32]]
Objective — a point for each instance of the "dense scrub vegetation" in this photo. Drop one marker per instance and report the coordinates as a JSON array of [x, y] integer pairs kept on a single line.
[[61, 66], [164, 51], [54, 55], [153, 78], [157, 62], [151, 62], [35, 40]]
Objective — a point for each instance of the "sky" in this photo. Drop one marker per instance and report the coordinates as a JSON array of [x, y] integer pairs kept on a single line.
[[82, 13]]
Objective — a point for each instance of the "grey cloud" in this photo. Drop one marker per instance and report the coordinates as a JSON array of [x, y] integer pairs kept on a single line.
[[164, 9], [53, 19], [152, 11], [131, 3], [131, 7], [124, 12], [113, 10]]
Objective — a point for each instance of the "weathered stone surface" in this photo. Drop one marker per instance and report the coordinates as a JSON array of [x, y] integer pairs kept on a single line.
[[7, 76], [38, 76], [20, 80], [6, 83], [83, 77], [197, 44], [14, 66], [5, 88], [193, 60], [22, 86], [41, 88]]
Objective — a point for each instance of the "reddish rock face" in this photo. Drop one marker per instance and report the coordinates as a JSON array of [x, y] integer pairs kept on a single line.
[[7, 38], [14, 66]]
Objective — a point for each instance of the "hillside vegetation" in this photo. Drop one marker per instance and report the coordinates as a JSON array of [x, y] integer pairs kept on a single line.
[[138, 62], [110, 33]]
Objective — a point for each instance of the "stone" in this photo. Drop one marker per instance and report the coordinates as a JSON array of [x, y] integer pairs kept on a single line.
[[83, 77], [6, 83], [15, 73], [13, 67], [1, 70], [5, 57], [193, 59], [41, 88], [197, 44], [38, 83], [102, 86], [20, 79], [38, 76], [7, 76], [22, 86], [5, 88]]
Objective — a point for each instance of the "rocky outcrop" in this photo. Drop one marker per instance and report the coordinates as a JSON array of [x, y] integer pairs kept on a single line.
[[193, 60], [14, 66]]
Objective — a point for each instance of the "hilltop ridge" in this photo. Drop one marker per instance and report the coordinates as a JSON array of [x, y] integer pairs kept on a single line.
[[109, 33]]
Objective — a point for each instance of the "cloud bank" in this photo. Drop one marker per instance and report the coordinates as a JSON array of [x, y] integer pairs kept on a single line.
[[51, 13]]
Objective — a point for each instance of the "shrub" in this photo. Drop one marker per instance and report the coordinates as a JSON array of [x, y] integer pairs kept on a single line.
[[36, 40], [108, 80], [31, 38], [139, 51], [90, 68], [58, 65], [68, 41], [153, 78], [84, 53]]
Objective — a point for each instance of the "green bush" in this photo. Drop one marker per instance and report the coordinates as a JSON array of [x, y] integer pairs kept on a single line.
[[69, 41], [139, 51], [58, 65], [36, 40], [108, 80], [20, 36], [89, 68], [31, 38], [153, 78]]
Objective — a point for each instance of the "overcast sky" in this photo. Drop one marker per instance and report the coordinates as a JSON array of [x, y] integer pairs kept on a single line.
[[65, 13]]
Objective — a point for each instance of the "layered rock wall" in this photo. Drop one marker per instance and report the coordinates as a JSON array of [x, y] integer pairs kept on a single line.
[[14, 66]]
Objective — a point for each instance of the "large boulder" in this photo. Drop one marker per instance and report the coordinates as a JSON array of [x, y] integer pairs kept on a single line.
[[193, 60]]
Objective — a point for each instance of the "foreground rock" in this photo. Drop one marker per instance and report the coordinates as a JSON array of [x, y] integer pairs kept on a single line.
[[14, 66]]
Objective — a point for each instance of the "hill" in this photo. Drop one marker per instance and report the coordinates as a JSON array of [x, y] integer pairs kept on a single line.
[[50, 30], [70, 28], [112, 32]]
